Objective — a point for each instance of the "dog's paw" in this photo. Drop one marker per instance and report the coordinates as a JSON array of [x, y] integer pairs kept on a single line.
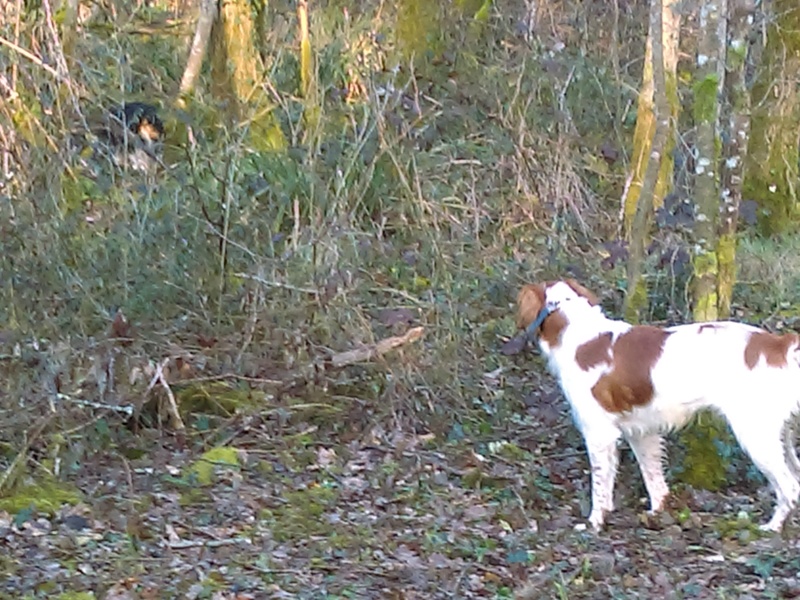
[[596, 520], [771, 527]]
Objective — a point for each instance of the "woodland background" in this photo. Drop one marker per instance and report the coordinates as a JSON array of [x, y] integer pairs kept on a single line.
[[276, 363]]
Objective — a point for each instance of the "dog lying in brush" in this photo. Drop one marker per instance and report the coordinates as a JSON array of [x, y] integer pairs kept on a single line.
[[637, 381], [129, 135]]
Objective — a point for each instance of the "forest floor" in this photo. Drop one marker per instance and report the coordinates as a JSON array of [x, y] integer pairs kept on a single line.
[[385, 514]]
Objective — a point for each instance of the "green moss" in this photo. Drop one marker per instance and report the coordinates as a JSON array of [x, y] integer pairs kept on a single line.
[[642, 139], [742, 528], [266, 134], [74, 596], [46, 497], [705, 98], [302, 515], [216, 398], [706, 268], [418, 29], [726, 278], [703, 466], [667, 167], [736, 55], [705, 263], [771, 166], [637, 302], [203, 469]]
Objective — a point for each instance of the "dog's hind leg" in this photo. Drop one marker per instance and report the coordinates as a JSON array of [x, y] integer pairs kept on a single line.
[[766, 446], [649, 452]]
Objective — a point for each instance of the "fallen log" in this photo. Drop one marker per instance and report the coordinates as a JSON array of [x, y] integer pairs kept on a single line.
[[377, 349]]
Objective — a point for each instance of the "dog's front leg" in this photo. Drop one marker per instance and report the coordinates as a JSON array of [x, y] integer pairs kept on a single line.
[[603, 457]]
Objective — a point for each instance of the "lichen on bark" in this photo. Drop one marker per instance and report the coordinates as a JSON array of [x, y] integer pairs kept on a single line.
[[707, 91], [771, 169]]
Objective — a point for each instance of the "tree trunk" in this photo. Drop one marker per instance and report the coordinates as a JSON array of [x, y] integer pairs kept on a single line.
[[646, 118], [703, 466], [636, 294], [308, 85], [734, 147], [417, 30], [237, 73], [202, 33], [771, 169], [707, 91]]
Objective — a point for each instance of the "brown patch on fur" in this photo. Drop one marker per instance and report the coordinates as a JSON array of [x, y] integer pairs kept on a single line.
[[704, 326], [582, 291], [774, 348], [630, 383], [148, 131], [594, 352], [530, 301]]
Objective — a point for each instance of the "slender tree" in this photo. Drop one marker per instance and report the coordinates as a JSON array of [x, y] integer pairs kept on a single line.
[[197, 52], [707, 93], [636, 296], [646, 117], [308, 83], [736, 120]]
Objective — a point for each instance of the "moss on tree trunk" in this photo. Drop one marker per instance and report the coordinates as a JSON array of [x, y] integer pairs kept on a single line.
[[707, 91], [237, 74], [771, 170], [418, 30], [652, 172], [726, 277], [646, 122], [734, 151]]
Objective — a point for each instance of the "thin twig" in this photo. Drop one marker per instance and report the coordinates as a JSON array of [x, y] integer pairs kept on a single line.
[[126, 409], [172, 405], [33, 58], [180, 544], [250, 326]]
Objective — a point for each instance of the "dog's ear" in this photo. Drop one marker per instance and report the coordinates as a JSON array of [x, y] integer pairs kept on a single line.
[[530, 301], [582, 291]]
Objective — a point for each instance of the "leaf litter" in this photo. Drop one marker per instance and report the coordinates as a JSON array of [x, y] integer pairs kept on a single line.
[[402, 516], [278, 506]]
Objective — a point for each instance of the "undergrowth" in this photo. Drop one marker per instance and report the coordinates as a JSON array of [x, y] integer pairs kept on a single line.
[[432, 185]]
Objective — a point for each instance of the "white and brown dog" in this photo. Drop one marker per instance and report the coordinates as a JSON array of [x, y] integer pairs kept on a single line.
[[636, 382]]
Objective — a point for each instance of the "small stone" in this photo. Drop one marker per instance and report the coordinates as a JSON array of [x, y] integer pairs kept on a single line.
[[603, 565], [76, 522]]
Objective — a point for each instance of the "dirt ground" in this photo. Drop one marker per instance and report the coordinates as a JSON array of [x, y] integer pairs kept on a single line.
[[388, 515]]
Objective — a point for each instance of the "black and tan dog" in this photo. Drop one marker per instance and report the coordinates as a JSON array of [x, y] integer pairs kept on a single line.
[[128, 135]]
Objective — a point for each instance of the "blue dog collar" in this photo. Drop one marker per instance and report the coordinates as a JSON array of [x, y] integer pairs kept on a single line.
[[533, 328]]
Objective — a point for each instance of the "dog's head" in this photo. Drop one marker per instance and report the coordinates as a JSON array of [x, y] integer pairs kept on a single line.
[[138, 118], [539, 307]]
